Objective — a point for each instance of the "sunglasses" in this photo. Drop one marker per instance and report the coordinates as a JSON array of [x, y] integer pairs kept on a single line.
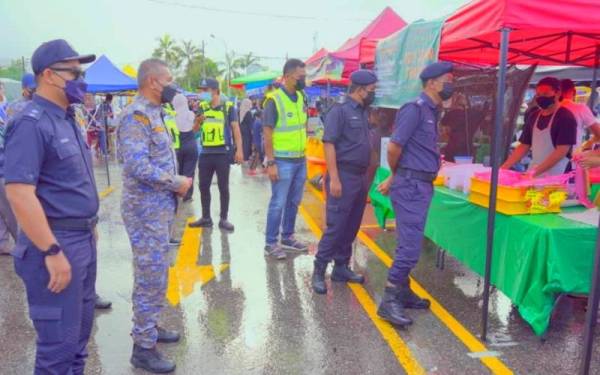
[[76, 72]]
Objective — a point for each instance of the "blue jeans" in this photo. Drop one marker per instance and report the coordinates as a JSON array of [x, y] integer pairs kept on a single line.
[[286, 197], [102, 141]]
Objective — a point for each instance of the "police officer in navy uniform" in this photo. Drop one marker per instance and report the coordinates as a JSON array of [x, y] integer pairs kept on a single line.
[[51, 188], [347, 153], [414, 160]]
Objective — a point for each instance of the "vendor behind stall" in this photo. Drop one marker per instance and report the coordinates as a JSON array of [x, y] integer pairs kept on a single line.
[[550, 132], [586, 121]]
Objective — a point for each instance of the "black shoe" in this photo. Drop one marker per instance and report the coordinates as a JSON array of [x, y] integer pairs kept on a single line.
[[410, 300], [226, 225], [392, 310], [101, 303], [202, 223], [318, 278], [151, 360], [166, 336], [174, 242], [343, 274]]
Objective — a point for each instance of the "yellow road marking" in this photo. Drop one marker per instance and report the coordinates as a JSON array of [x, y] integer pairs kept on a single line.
[[463, 334], [104, 193], [387, 331], [186, 273]]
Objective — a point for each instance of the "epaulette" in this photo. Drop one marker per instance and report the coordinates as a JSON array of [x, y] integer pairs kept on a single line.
[[33, 111], [141, 117]]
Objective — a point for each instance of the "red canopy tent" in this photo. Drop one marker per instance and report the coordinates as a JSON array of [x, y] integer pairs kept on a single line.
[[320, 54], [557, 32], [499, 32]]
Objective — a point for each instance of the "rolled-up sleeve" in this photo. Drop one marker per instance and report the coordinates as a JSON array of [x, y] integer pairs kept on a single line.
[[270, 114], [24, 152], [405, 124]]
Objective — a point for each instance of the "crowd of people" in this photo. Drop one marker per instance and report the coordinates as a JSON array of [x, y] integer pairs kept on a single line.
[[49, 191]]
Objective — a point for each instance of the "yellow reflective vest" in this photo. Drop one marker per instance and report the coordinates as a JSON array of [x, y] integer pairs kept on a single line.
[[289, 134], [172, 127], [213, 128]]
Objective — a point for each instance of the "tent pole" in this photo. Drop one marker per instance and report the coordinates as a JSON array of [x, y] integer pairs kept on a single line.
[[591, 315], [592, 308], [595, 79], [106, 153], [495, 156]]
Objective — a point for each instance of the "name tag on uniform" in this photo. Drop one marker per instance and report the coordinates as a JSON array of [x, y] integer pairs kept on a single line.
[[142, 119], [158, 129], [430, 121], [290, 114], [64, 140]]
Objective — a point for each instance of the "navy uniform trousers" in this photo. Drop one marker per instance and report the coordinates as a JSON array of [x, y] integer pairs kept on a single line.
[[411, 199], [344, 216], [63, 321]]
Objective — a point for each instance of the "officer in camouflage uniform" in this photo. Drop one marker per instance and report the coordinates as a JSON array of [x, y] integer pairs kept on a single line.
[[150, 189]]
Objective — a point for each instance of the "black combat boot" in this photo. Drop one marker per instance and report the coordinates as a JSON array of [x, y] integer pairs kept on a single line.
[[391, 309], [409, 299], [343, 274], [318, 277], [205, 222], [151, 360]]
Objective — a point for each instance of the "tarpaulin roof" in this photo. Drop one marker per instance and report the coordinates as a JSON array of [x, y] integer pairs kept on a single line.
[[367, 51], [557, 32], [388, 22], [256, 77], [104, 76]]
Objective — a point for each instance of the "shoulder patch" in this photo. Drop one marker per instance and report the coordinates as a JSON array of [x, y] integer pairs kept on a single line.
[[33, 111], [141, 118]]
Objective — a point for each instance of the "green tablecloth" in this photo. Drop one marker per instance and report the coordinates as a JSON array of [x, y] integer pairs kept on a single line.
[[536, 257]]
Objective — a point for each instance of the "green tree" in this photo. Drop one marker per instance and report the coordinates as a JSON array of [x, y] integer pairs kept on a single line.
[[168, 51], [12, 71], [189, 54], [231, 66], [195, 72], [246, 61]]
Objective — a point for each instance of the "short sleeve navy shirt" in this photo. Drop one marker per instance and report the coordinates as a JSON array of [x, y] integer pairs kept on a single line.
[[45, 148]]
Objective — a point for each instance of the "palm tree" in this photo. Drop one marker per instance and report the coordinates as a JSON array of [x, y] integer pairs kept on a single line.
[[168, 51], [246, 61], [188, 53], [231, 66]]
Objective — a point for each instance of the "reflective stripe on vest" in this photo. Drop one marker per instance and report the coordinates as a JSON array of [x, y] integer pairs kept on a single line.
[[289, 134], [213, 127]]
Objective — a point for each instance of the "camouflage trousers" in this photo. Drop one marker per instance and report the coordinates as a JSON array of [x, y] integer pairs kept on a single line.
[[148, 226]]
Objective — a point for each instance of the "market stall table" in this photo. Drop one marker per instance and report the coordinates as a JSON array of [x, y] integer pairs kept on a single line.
[[536, 257]]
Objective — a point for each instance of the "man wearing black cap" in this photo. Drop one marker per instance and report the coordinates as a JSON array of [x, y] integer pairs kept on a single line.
[[51, 188], [550, 131], [414, 160], [347, 153], [219, 127]]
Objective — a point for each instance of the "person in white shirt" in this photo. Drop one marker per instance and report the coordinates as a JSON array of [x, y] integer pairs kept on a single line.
[[187, 154], [582, 113]]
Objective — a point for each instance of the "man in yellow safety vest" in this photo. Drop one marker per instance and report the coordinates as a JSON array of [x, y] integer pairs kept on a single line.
[[284, 124]]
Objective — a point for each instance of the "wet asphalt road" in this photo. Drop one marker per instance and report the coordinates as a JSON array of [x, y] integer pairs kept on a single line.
[[240, 313]]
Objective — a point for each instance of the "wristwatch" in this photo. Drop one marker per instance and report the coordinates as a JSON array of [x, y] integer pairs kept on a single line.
[[270, 163], [52, 250]]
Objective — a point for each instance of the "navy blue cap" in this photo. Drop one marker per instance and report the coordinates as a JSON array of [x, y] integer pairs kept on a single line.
[[208, 83], [54, 51], [363, 77], [436, 69], [28, 81]]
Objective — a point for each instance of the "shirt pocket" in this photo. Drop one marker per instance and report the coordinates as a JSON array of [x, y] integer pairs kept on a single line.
[[356, 130], [160, 142], [71, 159]]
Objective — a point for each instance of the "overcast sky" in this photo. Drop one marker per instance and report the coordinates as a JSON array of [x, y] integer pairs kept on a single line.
[[126, 30]]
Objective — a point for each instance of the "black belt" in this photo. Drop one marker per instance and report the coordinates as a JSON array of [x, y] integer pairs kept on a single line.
[[417, 175], [73, 224]]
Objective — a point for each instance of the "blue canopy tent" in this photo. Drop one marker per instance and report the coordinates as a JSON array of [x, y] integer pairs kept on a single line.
[[103, 77]]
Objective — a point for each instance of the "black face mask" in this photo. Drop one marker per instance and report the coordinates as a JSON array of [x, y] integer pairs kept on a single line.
[[168, 93], [544, 102], [447, 91], [301, 84], [369, 99]]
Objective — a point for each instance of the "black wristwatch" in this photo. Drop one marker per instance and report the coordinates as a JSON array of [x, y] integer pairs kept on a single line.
[[270, 163], [52, 250]]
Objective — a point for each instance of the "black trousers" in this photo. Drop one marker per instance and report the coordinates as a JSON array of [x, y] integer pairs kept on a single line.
[[208, 164], [246, 141], [187, 157]]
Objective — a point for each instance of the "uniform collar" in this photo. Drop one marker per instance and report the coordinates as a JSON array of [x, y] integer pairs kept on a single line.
[[144, 101], [49, 106], [428, 100], [354, 103]]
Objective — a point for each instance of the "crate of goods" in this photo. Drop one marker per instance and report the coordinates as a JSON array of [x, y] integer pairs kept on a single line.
[[523, 197]]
